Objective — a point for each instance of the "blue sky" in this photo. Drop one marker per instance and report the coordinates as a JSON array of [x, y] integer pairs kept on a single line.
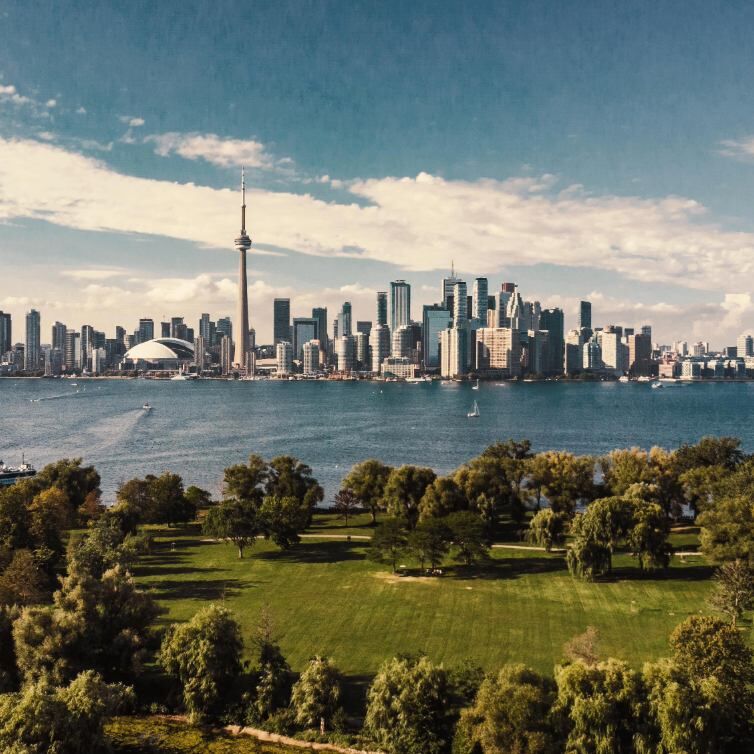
[[601, 150]]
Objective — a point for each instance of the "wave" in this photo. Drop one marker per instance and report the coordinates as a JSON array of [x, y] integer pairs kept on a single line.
[[54, 397]]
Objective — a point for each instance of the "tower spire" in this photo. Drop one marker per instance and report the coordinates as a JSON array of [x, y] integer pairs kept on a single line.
[[243, 202]]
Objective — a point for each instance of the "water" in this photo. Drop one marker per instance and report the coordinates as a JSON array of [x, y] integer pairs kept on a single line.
[[198, 428]]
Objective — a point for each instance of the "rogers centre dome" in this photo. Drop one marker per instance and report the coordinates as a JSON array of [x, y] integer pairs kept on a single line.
[[161, 352]]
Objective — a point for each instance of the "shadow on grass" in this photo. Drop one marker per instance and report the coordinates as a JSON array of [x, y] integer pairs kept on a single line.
[[684, 573], [512, 568], [158, 569], [210, 589], [316, 552]]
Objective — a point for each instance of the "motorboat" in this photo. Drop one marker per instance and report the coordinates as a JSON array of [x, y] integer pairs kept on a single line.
[[147, 408], [474, 413]]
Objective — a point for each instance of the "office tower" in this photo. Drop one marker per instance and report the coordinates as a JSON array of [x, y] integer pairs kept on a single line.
[[592, 356], [72, 355], [345, 354], [87, 338], [508, 288], [362, 350], [401, 341], [460, 313], [310, 354], [58, 336], [647, 330], [364, 326], [226, 354], [614, 352], [242, 244], [498, 349], [515, 313], [207, 330], [381, 308], [454, 347], [379, 343], [32, 348], [6, 333], [335, 328], [400, 304], [98, 360], [164, 330], [54, 362], [627, 331], [479, 300], [284, 357], [435, 319], [573, 361], [446, 289], [281, 320], [200, 353], [120, 334], [224, 328], [320, 314], [552, 321], [745, 346], [537, 351], [146, 330], [585, 315], [304, 330], [344, 320], [639, 355]]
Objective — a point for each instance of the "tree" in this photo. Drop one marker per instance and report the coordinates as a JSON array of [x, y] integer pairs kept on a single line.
[[389, 542], [9, 675], [648, 536], [367, 480], [235, 521], [468, 536], [733, 593], [727, 529], [23, 582], [246, 482], [282, 518], [511, 713], [273, 677], [547, 528], [346, 503], [407, 707], [515, 450], [405, 487], [168, 502], [601, 707], [70, 720], [289, 477], [488, 488], [69, 476], [198, 497], [583, 647], [316, 695], [443, 496], [564, 478], [430, 542], [205, 655], [724, 452], [15, 518]]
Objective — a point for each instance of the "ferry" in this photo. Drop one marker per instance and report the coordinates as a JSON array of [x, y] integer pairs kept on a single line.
[[11, 474]]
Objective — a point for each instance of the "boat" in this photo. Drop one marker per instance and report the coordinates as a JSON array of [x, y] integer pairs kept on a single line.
[[147, 407], [474, 413], [475, 387], [657, 385], [623, 378], [11, 474]]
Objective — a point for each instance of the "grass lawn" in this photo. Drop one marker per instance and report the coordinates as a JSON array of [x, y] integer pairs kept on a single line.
[[325, 597]]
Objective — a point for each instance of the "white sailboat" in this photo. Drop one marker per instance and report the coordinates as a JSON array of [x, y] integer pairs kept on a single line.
[[474, 413], [475, 387]]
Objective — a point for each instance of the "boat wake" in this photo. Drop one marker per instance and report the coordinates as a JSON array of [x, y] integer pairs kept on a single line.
[[54, 397]]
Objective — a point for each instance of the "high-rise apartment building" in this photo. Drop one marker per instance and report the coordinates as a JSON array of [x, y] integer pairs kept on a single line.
[[58, 336], [304, 330], [207, 330], [435, 319], [320, 314], [401, 341], [281, 320], [454, 348], [499, 349], [382, 308], [640, 355], [480, 300], [224, 328], [344, 320], [226, 354], [744, 346], [146, 329], [310, 357], [364, 326], [400, 304], [200, 353], [164, 330], [6, 333], [553, 321], [362, 350], [32, 348], [379, 344], [87, 343], [460, 313], [345, 354]]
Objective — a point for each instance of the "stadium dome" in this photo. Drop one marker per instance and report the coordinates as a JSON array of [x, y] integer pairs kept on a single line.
[[168, 351]]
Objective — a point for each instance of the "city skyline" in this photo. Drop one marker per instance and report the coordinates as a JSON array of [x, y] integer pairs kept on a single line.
[[454, 146]]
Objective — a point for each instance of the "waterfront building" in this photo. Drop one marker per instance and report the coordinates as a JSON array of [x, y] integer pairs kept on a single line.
[[498, 349], [200, 353], [344, 320], [382, 308], [98, 360], [224, 328], [691, 370], [454, 348], [226, 354], [345, 354], [592, 356], [32, 348], [284, 357], [87, 344], [573, 362], [379, 345], [744, 346], [207, 330], [178, 328], [435, 319], [585, 315], [53, 362], [446, 289], [640, 355], [310, 357], [398, 366], [401, 341], [146, 330], [460, 311], [614, 351], [6, 333], [480, 300], [552, 320], [281, 320], [362, 351], [400, 304], [72, 354], [700, 348], [242, 244], [320, 314], [58, 336], [304, 330], [681, 347]]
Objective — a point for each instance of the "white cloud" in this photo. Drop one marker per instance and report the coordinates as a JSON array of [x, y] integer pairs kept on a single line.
[[93, 274], [738, 148], [81, 110], [51, 103], [213, 149], [131, 121], [9, 93]]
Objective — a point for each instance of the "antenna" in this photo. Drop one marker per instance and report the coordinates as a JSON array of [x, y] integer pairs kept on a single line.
[[452, 268], [243, 201]]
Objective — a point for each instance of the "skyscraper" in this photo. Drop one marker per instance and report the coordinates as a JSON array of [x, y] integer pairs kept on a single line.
[[146, 329], [6, 333], [460, 313], [381, 308], [224, 327], [284, 357], [585, 317], [745, 346], [446, 289], [552, 320], [344, 320], [87, 342], [435, 319], [207, 330], [320, 314], [304, 330], [379, 344], [243, 244], [58, 336], [400, 304], [281, 320], [479, 305], [32, 348]]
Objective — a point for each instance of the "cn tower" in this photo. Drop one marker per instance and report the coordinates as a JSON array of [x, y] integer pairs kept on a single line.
[[241, 325]]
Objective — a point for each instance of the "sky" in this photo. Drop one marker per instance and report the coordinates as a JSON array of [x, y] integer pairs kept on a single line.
[[596, 150]]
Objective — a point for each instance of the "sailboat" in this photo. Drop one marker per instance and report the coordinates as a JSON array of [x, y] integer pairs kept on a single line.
[[474, 413], [475, 387]]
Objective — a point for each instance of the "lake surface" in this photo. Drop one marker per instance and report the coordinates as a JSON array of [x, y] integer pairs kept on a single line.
[[198, 428]]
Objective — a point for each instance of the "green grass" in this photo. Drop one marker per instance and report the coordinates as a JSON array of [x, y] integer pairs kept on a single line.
[[154, 735], [326, 597]]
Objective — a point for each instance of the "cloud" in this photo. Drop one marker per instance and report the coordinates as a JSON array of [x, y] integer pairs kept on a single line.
[[93, 274], [213, 149], [131, 121], [738, 148], [81, 110], [51, 103], [417, 223], [9, 94]]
